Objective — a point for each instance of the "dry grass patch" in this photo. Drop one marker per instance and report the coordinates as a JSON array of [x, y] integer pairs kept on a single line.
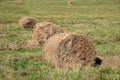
[[25, 44], [111, 61]]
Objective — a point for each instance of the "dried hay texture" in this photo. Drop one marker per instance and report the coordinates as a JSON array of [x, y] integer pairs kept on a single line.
[[27, 22], [44, 30], [25, 44], [69, 50], [1, 28], [110, 61]]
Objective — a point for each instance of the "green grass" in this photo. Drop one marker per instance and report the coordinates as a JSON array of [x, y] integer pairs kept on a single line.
[[98, 20]]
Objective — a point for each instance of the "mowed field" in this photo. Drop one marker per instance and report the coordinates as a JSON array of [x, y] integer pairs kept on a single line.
[[98, 20]]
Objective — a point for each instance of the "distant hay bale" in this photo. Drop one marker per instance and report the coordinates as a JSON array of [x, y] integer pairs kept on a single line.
[[18, 3], [70, 3], [44, 30], [27, 22], [69, 50]]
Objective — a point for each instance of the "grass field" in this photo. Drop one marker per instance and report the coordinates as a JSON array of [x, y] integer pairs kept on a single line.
[[98, 20]]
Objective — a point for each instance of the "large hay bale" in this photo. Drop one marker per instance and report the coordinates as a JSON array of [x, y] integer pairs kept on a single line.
[[44, 30], [27, 22], [69, 50]]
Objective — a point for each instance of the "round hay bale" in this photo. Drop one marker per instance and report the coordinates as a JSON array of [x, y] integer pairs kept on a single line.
[[44, 30], [18, 3], [69, 50], [27, 22], [70, 3]]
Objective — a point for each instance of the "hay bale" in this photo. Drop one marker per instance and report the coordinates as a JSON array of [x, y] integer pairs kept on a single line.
[[18, 3], [69, 50], [44, 30], [26, 22], [70, 3]]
